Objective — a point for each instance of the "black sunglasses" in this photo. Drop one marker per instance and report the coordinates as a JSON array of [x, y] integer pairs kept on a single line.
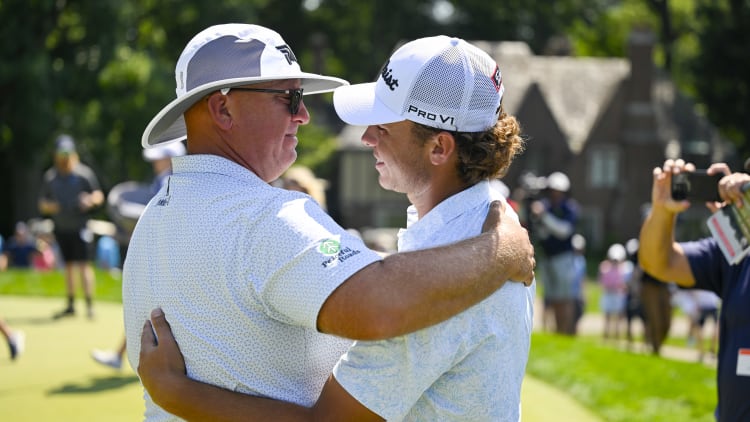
[[295, 95]]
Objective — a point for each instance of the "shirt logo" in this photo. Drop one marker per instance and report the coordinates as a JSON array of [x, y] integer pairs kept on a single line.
[[287, 52], [329, 247], [387, 75]]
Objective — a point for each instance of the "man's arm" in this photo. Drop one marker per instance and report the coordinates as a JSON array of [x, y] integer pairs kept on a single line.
[[89, 201], [162, 371], [659, 254], [408, 291]]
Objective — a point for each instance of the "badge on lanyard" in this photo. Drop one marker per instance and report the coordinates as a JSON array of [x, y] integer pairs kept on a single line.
[[743, 362]]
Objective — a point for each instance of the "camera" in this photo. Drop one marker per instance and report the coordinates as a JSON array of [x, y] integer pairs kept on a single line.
[[696, 186]]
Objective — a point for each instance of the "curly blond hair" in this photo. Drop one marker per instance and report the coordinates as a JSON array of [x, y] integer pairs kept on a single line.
[[483, 155]]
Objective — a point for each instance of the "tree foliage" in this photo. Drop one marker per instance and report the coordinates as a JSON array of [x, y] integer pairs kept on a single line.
[[721, 73], [100, 69]]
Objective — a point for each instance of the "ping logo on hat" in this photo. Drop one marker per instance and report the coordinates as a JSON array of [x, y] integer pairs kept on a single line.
[[287, 52], [225, 56], [441, 82]]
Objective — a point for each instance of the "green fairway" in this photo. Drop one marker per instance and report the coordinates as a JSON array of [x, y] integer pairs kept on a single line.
[[56, 379]]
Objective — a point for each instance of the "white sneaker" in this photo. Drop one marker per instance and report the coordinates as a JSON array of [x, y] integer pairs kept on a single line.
[[107, 357], [17, 343]]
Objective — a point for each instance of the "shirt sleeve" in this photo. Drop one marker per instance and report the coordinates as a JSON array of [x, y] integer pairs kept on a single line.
[[707, 264], [318, 257]]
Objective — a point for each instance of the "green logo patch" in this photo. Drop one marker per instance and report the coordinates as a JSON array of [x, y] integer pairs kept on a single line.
[[329, 247]]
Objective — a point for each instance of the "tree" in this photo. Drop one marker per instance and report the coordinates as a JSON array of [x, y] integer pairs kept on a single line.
[[721, 73]]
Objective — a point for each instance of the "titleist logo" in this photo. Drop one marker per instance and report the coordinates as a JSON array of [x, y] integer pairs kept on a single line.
[[387, 75]]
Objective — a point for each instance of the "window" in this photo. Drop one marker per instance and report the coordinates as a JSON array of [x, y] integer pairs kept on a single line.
[[604, 167]]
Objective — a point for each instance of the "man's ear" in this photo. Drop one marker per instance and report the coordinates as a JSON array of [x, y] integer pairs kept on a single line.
[[218, 109], [442, 147]]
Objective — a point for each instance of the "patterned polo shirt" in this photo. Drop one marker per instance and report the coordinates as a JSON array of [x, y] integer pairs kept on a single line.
[[468, 368], [241, 270]]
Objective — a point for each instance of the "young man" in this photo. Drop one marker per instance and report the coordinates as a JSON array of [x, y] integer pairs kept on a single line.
[[438, 134], [701, 265]]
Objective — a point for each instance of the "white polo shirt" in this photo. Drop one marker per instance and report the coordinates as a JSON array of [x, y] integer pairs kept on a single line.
[[241, 270], [468, 368]]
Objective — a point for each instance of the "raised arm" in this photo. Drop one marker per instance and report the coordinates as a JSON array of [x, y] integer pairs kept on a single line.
[[409, 291], [659, 254], [162, 372]]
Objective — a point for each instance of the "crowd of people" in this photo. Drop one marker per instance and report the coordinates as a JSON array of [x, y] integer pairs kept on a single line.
[[318, 321]]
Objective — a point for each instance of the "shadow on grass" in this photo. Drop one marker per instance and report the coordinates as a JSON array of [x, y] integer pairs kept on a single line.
[[35, 320], [96, 385]]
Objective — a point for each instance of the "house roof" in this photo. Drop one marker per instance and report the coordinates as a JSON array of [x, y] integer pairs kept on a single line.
[[576, 89]]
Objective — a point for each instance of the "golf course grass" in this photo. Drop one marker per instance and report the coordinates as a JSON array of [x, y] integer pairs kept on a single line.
[[56, 379]]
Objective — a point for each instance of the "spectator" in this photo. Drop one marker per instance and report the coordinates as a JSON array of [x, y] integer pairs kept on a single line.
[[656, 307], [161, 164], [16, 339], [20, 249], [302, 179], [553, 221], [70, 191], [46, 259], [633, 307], [707, 307], [579, 281], [700, 264], [613, 276]]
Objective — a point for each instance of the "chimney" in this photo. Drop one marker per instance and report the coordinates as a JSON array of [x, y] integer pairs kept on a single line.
[[640, 52]]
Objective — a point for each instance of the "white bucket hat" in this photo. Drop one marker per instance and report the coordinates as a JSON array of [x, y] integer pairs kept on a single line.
[[225, 56], [441, 82]]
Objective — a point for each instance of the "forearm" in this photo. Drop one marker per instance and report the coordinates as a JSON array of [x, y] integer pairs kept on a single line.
[[196, 401], [557, 227], [659, 254], [409, 291]]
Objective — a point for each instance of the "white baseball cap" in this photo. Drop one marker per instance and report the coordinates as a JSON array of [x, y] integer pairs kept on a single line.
[[558, 181], [441, 82], [225, 56], [616, 252]]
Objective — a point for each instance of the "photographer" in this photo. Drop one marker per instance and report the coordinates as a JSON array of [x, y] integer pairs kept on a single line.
[[701, 264], [553, 222]]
